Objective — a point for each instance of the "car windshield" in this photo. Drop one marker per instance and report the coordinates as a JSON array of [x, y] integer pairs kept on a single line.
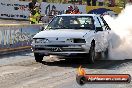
[[71, 22]]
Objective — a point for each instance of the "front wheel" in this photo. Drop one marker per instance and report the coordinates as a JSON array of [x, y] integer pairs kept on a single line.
[[91, 55], [38, 57]]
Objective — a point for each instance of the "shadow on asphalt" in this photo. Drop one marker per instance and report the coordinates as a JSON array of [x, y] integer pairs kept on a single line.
[[73, 61], [99, 64]]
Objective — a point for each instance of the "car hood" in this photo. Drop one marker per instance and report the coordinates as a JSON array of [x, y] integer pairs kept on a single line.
[[66, 33]]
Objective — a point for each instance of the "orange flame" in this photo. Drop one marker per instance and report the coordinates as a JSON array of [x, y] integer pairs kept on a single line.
[[81, 71]]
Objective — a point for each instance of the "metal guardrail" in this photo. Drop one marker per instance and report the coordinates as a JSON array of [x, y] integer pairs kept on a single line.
[[17, 36]]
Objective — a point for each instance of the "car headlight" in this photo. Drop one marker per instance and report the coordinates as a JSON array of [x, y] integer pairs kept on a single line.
[[79, 41], [40, 40], [76, 40]]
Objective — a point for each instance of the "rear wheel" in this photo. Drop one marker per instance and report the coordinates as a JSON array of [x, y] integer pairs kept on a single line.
[[38, 57]]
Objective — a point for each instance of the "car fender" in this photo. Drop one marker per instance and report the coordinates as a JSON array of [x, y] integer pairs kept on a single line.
[[100, 43]]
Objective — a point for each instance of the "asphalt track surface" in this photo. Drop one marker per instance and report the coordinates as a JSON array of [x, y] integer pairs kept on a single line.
[[19, 70]]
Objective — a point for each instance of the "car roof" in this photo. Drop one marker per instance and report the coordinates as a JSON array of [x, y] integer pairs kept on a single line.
[[78, 15]]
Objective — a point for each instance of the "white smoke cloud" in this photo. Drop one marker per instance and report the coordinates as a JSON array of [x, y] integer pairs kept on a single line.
[[121, 41]]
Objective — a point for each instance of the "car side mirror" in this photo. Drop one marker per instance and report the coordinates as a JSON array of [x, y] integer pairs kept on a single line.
[[99, 29]]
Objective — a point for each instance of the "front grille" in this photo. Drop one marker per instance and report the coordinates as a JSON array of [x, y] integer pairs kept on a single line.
[[72, 49], [56, 45], [58, 49]]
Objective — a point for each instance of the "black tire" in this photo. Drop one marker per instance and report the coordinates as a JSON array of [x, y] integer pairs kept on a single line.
[[38, 57], [91, 55], [98, 55]]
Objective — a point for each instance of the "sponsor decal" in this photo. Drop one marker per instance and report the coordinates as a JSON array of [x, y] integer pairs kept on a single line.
[[17, 36], [82, 78]]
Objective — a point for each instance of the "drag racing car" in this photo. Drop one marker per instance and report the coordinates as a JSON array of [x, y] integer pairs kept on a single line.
[[72, 34]]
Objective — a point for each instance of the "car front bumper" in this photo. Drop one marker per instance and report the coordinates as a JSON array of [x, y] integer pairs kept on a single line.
[[61, 49]]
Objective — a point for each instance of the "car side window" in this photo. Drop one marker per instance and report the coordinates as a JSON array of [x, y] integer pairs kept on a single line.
[[97, 22], [105, 24], [101, 22]]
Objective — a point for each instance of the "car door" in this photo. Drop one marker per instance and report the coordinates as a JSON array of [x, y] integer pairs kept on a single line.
[[106, 31], [106, 27], [100, 37]]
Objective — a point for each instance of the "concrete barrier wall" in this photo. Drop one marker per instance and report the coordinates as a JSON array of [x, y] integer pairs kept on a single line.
[[15, 37]]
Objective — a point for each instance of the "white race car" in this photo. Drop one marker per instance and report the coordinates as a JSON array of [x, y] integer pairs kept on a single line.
[[72, 34]]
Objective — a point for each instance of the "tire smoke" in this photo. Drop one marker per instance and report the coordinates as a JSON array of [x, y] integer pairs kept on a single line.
[[120, 45]]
